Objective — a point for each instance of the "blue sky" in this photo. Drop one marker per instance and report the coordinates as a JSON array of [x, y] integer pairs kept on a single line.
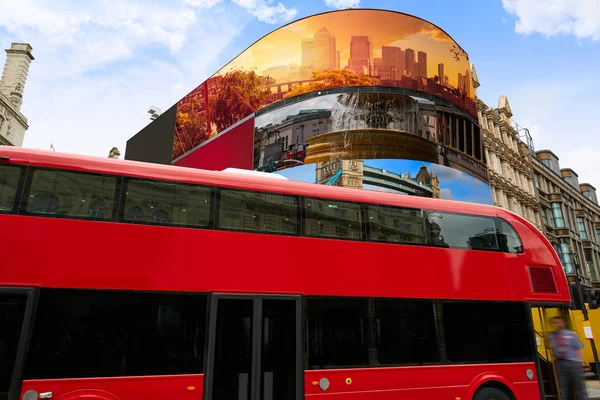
[[100, 64], [454, 185]]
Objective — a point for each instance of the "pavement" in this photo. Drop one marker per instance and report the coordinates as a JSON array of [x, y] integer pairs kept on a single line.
[[593, 387]]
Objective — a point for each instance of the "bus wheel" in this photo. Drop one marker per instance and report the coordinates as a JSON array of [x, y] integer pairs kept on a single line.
[[489, 393]]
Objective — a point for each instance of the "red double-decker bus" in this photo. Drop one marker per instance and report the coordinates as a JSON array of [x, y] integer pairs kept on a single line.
[[124, 280]]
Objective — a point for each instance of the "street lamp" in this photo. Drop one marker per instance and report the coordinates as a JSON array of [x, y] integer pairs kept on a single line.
[[584, 310]]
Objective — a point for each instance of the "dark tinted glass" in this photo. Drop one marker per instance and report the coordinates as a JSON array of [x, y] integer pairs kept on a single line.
[[486, 332], [9, 180], [462, 231], [337, 332], [12, 311], [166, 203], [232, 369], [397, 225], [405, 332], [258, 212], [332, 219], [85, 333], [509, 239], [72, 194]]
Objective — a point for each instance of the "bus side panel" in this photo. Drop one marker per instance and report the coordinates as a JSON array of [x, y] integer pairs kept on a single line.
[[428, 382], [163, 258], [185, 387]]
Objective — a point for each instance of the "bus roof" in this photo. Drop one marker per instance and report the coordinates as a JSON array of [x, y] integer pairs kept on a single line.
[[233, 180]]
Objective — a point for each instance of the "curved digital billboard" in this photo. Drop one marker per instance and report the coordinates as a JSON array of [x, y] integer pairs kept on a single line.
[[349, 51]]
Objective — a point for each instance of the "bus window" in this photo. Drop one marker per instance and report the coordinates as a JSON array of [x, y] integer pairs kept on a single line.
[[487, 332], [9, 180], [463, 231], [405, 332], [102, 333], [332, 219], [72, 194], [337, 332], [258, 212], [397, 225], [509, 239], [166, 203]]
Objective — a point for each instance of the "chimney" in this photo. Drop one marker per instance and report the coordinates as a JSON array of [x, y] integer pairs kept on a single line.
[[14, 76]]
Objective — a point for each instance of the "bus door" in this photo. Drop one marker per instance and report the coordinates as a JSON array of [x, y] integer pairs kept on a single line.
[[255, 348], [542, 318], [16, 308]]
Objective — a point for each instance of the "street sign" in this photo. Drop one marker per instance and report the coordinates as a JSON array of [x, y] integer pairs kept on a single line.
[[587, 330]]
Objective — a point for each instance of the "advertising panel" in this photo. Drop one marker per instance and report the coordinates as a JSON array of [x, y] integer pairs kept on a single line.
[[355, 125], [405, 177], [349, 48]]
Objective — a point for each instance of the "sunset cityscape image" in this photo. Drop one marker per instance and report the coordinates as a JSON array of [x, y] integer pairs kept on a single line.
[[350, 48]]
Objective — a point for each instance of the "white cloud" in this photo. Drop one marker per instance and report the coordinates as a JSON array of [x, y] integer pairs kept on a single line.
[[266, 12], [580, 18], [557, 114], [446, 194], [584, 161], [339, 4], [202, 3], [99, 65]]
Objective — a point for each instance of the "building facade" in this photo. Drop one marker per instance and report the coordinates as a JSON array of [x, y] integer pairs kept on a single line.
[[570, 215], [533, 185], [510, 174], [13, 123]]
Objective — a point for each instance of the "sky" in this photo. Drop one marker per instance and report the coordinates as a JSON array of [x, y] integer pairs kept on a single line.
[[454, 184], [100, 64]]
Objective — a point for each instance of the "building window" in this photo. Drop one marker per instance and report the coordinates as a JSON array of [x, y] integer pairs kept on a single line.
[[552, 165], [536, 179], [598, 234], [589, 261], [564, 252], [581, 227], [558, 221], [544, 216]]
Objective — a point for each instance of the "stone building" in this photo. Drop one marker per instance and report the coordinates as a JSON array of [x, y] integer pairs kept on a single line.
[[533, 185], [570, 215], [510, 174], [13, 123]]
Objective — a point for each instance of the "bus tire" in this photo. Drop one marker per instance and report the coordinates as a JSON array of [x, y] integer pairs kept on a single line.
[[490, 393]]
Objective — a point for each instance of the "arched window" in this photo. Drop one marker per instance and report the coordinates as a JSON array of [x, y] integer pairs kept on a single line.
[[161, 217], [45, 203], [134, 214], [97, 209]]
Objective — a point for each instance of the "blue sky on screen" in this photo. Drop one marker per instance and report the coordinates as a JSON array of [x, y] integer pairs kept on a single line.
[[100, 64], [454, 185]]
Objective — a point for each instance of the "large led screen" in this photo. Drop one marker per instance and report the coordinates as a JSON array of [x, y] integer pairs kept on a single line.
[[356, 125], [405, 177], [350, 48]]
